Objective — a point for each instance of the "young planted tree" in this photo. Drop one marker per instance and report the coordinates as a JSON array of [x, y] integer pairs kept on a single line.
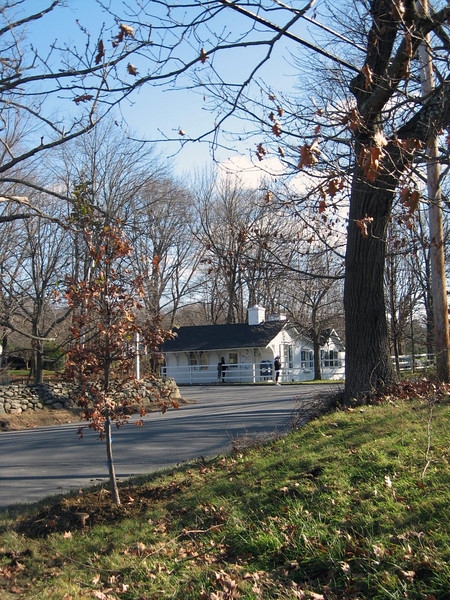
[[101, 357]]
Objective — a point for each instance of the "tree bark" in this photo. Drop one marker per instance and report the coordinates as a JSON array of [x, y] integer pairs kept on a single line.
[[368, 363], [316, 347], [111, 469], [38, 360], [108, 436], [3, 351], [39, 373]]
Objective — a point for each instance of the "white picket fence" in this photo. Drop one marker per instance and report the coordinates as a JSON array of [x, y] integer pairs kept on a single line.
[[418, 362]]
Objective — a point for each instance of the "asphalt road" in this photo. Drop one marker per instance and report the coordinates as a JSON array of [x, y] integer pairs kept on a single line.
[[51, 460]]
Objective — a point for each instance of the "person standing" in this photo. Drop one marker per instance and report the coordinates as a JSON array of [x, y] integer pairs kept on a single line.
[[277, 369], [221, 369]]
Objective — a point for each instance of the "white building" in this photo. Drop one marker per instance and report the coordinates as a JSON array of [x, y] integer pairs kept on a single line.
[[248, 350]]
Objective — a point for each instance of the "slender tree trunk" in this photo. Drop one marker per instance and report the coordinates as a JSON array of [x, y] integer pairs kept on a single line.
[[39, 371], [440, 306], [393, 309], [413, 349], [111, 469], [3, 351], [368, 363], [430, 319], [108, 437], [316, 347], [37, 360]]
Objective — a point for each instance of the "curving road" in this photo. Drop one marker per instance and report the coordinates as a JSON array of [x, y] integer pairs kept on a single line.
[[36, 463]]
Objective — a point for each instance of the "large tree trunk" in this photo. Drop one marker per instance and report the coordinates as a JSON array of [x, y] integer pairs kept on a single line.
[[368, 363]]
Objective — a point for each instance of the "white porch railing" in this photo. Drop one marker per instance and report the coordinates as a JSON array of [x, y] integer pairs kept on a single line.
[[252, 372]]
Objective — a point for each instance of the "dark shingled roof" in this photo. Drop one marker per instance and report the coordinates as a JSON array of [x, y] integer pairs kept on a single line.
[[223, 337]]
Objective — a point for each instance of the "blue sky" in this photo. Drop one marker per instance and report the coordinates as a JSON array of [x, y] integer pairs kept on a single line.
[[154, 110]]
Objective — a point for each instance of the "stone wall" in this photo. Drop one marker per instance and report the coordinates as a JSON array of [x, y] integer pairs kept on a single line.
[[16, 398]]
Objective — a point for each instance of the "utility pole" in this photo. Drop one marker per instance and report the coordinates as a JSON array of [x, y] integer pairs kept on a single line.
[[438, 282], [138, 357]]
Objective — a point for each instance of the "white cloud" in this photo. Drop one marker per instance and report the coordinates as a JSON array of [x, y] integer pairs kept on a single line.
[[269, 170], [250, 174]]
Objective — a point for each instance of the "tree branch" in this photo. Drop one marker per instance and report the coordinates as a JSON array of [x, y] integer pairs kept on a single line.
[[288, 34]]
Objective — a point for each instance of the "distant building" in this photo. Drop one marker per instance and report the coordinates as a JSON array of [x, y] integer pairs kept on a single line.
[[249, 350]]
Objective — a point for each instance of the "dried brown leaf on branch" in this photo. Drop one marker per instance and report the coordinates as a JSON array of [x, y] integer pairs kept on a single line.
[[370, 159], [363, 225], [260, 151], [353, 119], [83, 98], [333, 186], [124, 31], [100, 52], [410, 199], [368, 74], [309, 154], [276, 129]]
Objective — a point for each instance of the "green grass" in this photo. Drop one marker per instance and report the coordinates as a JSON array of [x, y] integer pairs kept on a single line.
[[353, 505]]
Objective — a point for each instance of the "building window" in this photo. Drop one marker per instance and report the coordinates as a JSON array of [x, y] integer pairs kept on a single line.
[[330, 358], [203, 361], [233, 359], [307, 359], [290, 356], [193, 361]]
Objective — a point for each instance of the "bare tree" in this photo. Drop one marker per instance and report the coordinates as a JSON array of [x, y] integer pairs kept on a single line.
[[403, 293], [166, 254], [31, 271], [52, 93], [238, 231], [314, 303]]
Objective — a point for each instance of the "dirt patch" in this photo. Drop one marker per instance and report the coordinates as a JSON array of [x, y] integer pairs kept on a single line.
[[96, 508]]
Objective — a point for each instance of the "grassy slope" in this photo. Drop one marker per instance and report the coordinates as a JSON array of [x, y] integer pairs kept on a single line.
[[350, 506]]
